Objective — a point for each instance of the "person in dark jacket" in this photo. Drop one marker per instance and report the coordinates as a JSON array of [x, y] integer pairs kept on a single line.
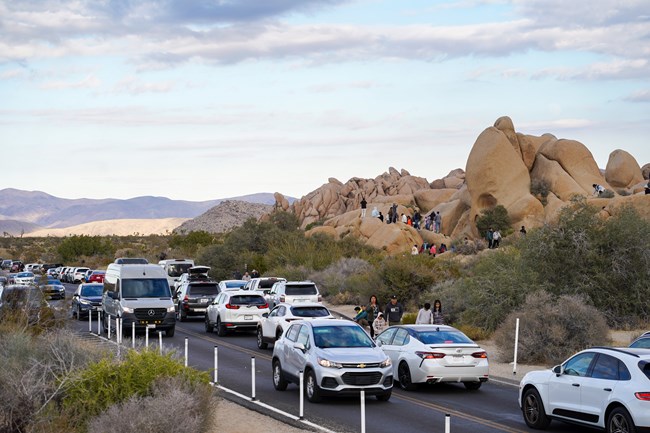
[[394, 311]]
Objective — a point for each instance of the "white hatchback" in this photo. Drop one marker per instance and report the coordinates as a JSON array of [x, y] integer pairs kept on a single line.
[[235, 310], [602, 387], [278, 320]]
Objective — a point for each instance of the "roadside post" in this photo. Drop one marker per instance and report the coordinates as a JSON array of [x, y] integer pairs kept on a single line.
[[146, 337], [133, 335], [216, 361], [186, 340], [253, 378], [160, 342], [90, 320], [109, 326], [447, 423], [514, 364], [301, 414], [363, 411], [99, 314]]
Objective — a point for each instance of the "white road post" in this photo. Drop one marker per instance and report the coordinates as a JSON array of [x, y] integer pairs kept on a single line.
[[216, 365], [186, 340], [447, 423], [90, 320], [514, 366], [109, 326], [133, 335], [363, 411], [160, 341], [252, 378], [99, 319], [146, 337], [302, 395]]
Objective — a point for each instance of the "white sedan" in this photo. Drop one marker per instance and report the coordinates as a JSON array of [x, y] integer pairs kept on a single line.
[[433, 354], [235, 310], [24, 278], [273, 325]]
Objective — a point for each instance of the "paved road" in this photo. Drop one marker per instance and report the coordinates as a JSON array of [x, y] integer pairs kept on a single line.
[[493, 408]]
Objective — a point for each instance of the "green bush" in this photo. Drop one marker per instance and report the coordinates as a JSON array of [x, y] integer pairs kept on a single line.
[[74, 247], [608, 193], [539, 187], [495, 217], [551, 329], [409, 318]]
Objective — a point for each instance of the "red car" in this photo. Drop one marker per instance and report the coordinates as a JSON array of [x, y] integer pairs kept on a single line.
[[97, 277]]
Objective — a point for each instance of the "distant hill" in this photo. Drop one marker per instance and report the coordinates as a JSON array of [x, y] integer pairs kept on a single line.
[[225, 216], [16, 228], [118, 227], [45, 210]]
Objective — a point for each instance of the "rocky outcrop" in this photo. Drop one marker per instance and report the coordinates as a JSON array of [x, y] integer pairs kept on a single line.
[[622, 170], [226, 216], [645, 171]]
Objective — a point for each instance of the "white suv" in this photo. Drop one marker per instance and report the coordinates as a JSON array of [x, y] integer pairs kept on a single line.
[[235, 310], [602, 387], [292, 292], [278, 320]]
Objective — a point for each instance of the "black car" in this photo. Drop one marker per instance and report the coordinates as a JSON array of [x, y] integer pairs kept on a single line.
[[194, 298], [52, 288], [87, 297]]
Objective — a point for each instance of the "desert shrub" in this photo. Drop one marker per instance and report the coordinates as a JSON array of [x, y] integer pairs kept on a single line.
[[474, 332], [74, 247], [150, 414], [285, 221], [551, 329], [291, 273], [191, 242], [608, 193], [334, 278], [109, 381], [495, 217], [311, 225], [539, 187], [468, 247], [623, 192], [409, 318]]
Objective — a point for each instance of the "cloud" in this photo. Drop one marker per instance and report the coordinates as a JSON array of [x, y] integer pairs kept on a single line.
[[133, 86], [88, 82], [640, 96]]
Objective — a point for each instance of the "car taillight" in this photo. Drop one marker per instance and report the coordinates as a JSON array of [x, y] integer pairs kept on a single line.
[[186, 300], [232, 307], [430, 355], [645, 396], [320, 298], [282, 298], [263, 306], [481, 355]]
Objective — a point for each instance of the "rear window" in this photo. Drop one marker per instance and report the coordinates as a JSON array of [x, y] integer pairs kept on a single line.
[[82, 270], [247, 300], [235, 284], [203, 289], [267, 283], [301, 289], [177, 269], [645, 368], [310, 311], [94, 290], [443, 337]]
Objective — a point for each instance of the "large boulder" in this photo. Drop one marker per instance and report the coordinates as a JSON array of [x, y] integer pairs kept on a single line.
[[558, 180], [645, 171], [428, 199], [622, 170]]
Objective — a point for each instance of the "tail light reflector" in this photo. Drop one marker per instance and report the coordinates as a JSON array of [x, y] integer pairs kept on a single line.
[[645, 396], [232, 307], [263, 306], [430, 355], [481, 355]]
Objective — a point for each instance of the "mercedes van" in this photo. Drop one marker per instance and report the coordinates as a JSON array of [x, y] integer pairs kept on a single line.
[[139, 293]]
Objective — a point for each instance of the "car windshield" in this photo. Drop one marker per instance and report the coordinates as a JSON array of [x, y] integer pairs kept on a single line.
[[94, 290], [24, 275], [327, 337], [301, 289], [314, 311], [145, 288], [235, 284], [247, 300], [178, 269], [443, 337], [642, 343], [203, 289]]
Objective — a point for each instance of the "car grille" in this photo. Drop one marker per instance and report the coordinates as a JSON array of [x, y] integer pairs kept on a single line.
[[361, 365], [369, 378], [143, 313]]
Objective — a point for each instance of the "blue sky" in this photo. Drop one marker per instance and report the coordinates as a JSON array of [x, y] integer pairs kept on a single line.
[[205, 99]]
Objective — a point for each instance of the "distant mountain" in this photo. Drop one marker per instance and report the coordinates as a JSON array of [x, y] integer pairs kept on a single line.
[[16, 228], [52, 212]]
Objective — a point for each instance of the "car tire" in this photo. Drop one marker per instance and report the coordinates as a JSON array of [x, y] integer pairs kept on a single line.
[[385, 396], [620, 421], [221, 328], [472, 386], [533, 410], [279, 382], [170, 332], [404, 377], [278, 334], [182, 317], [312, 390], [208, 326], [260, 339]]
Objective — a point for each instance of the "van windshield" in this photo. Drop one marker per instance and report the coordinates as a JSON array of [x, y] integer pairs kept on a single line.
[[145, 288]]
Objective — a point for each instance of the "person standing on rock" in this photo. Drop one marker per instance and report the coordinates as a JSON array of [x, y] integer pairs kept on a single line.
[[416, 220], [523, 231], [364, 203], [394, 311], [375, 212], [389, 218], [380, 216], [490, 238], [496, 238], [394, 213], [438, 220]]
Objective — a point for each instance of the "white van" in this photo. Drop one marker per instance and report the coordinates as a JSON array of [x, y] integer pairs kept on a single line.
[[174, 268], [138, 293]]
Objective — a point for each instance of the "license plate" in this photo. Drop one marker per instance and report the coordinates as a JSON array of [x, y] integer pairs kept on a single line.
[[151, 326], [204, 300], [248, 317], [200, 310]]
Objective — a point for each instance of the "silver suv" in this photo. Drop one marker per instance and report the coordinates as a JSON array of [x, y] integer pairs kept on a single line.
[[337, 357], [292, 292]]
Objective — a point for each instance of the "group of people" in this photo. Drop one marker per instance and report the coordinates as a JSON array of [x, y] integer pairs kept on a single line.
[[432, 222], [494, 237], [428, 249], [378, 319]]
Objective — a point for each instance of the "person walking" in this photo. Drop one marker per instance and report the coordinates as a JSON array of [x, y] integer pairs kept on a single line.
[[438, 222], [425, 315], [522, 231], [438, 318], [379, 324], [490, 239], [364, 203], [394, 311], [394, 213], [373, 311], [496, 238]]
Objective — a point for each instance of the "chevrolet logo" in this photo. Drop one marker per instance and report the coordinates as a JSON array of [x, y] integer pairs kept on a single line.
[[361, 365]]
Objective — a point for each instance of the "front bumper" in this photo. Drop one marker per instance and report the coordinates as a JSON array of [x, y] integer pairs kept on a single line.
[[347, 381]]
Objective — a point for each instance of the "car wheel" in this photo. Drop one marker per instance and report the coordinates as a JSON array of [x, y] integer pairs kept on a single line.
[[260, 339], [533, 410], [182, 317], [404, 377], [620, 421], [312, 390], [385, 396], [170, 332], [221, 328], [279, 382], [472, 386], [208, 326]]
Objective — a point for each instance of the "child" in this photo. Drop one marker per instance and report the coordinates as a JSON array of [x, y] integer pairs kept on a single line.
[[362, 316], [424, 315], [379, 324]]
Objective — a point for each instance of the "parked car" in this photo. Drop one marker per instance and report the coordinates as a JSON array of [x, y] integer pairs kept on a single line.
[[273, 325], [87, 298], [193, 273], [235, 310], [433, 354], [96, 276], [292, 292], [24, 278], [4, 280], [602, 387], [231, 285], [53, 289], [78, 275], [53, 272], [337, 356], [6, 264], [69, 272], [643, 342], [193, 298], [262, 284]]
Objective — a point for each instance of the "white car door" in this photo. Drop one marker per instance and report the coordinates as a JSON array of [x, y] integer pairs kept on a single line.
[[270, 323], [564, 390], [385, 339], [596, 392]]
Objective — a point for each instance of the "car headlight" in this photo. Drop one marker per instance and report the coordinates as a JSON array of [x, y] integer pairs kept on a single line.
[[330, 364], [171, 309], [84, 301], [386, 363], [127, 310]]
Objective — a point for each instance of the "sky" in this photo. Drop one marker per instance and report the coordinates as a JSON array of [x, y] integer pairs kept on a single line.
[[205, 99]]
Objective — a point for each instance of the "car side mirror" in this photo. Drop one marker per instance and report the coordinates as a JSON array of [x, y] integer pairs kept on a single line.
[[300, 347], [265, 315], [557, 370], [378, 343]]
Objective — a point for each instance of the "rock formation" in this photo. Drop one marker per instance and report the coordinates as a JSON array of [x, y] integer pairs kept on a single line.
[[225, 216]]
